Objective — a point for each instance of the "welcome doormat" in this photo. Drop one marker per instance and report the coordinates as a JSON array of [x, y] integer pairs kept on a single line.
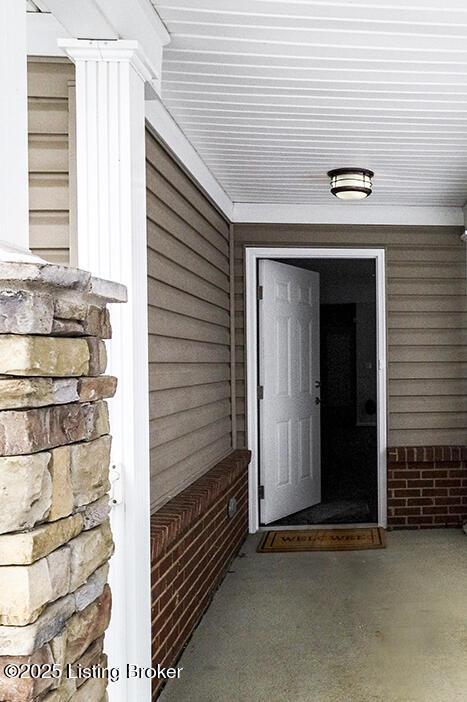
[[354, 539]]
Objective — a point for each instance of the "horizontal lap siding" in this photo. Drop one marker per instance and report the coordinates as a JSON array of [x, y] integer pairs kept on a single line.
[[189, 328], [426, 319], [48, 117]]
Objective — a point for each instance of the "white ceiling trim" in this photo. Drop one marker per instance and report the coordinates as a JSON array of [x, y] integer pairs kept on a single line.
[[165, 127], [43, 31], [99, 20], [83, 20], [32, 6], [342, 213]]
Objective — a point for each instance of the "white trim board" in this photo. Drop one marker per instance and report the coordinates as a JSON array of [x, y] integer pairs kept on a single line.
[[100, 20], [43, 32], [163, 125], [252, 254], [347, 213]]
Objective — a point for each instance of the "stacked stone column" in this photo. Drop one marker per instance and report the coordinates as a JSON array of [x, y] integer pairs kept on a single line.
[[55, 538]]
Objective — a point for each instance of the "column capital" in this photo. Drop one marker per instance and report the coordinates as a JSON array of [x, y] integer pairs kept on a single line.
[[111, 51]]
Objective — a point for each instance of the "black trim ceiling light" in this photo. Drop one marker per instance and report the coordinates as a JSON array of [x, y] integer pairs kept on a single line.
[[351, 183]]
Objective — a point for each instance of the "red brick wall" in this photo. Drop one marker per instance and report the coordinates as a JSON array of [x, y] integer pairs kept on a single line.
[[193, 541], [427, 486]]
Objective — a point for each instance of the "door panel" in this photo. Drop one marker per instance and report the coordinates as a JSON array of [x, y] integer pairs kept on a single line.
[[289, 373]]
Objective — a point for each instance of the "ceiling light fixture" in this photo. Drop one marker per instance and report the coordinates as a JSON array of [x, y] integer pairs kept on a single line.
[[351, 183]]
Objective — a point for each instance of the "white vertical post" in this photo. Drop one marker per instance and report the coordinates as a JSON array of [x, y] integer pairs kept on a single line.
[[14, 187], [111, 242]]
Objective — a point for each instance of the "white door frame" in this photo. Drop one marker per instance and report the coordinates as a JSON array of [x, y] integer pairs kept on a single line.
[[252, 254]]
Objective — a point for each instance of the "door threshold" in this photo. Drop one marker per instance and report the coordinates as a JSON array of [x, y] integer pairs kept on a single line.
[[309, 527]]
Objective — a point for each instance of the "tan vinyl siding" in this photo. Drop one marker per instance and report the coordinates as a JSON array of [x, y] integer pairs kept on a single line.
[[189, 328], [49, 192], [426, 319]]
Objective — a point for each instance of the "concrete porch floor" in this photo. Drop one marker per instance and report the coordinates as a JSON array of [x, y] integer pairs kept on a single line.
[[361, 626]]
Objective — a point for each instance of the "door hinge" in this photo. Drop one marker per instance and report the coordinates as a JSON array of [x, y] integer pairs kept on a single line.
[[261, 492], [116, 486], [259, 292], [260, 392]]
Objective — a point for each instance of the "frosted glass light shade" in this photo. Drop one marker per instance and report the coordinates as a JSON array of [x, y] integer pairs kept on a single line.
[[351, 183]]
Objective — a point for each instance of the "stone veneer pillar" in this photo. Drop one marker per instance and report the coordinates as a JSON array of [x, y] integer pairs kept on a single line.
[[55, 538]]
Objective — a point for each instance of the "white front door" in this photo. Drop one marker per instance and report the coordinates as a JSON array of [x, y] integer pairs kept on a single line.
[[290, 470]]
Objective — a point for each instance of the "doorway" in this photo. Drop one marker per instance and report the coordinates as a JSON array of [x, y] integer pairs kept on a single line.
[[316, 386]]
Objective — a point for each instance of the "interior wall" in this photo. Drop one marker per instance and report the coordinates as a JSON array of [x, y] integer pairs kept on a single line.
[[355, 282], [189, 328], [347, 281], [426, 318], [49, 85]]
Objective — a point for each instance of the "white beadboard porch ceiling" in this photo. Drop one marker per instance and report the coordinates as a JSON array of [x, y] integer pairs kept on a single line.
[[274, 93]]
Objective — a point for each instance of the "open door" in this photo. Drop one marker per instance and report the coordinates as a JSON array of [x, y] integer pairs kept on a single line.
[[289, 367]]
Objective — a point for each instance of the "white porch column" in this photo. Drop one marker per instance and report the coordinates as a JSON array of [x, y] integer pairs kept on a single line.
[[14, 215], [111, 212]]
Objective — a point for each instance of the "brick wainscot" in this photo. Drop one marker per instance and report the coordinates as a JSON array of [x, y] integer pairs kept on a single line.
[[427, 487], [194, 538]]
